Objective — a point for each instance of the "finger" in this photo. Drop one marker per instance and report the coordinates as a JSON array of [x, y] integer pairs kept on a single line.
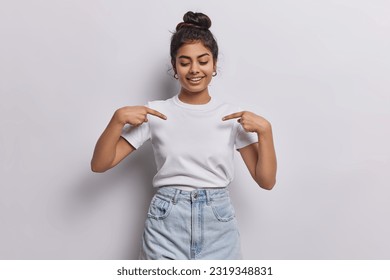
[[233, 116], [155, 113], [137, 124]]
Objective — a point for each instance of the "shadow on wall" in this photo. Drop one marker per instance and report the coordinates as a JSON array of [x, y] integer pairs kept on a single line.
[[166, 88], [102, 215]]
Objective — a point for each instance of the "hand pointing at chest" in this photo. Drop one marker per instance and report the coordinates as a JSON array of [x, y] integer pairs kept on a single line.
[[136, 115], [250, 122], [260, 158]]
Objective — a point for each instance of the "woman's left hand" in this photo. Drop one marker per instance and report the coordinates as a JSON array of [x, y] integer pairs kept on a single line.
[[251, 122]]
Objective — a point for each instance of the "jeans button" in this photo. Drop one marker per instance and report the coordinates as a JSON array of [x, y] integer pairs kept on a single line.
[[195, 196]]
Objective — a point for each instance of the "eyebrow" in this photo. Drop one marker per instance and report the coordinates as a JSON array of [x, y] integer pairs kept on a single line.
[[187, 57]]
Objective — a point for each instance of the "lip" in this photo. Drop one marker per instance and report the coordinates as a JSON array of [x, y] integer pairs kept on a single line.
[[195, 80]]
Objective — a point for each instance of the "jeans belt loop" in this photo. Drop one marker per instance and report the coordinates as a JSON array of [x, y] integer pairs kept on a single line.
[[175, 196], [208, 197]]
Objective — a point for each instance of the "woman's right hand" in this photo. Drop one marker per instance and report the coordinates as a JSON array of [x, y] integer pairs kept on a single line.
[[135, 115], [110, 148]]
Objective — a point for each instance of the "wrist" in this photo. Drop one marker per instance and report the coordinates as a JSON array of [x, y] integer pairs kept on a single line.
[[116, 119], [119, 117], [265, 132]]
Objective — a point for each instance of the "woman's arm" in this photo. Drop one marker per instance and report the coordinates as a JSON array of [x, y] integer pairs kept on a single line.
[[111, 148], [260, 158]]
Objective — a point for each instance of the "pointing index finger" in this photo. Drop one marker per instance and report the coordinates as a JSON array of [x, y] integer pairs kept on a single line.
[[155, 113], [232, 116]]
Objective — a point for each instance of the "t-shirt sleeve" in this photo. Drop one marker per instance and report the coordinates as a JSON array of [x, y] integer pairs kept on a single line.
[[244, 138], [136, 135]]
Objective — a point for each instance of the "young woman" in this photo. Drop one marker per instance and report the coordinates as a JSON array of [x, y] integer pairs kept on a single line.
[[193, 138]]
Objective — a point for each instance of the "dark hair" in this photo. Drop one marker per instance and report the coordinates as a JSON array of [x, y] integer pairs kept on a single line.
[[195, 27]]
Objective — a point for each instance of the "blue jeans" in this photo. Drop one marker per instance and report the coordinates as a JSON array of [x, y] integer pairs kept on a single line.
[[197, 224]]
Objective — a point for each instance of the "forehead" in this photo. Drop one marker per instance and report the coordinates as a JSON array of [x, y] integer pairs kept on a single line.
[[193, 50]]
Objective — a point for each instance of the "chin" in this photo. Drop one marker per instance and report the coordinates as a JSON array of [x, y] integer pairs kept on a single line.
[[195, 90]]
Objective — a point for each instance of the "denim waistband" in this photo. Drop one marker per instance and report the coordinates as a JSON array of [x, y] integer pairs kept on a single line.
[[200, 195]]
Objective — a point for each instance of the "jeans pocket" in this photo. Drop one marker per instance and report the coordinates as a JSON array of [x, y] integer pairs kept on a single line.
[[223, 209], [159, 208]]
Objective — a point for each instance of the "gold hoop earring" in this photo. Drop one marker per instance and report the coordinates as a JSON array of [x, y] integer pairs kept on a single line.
[[176, 76], [214, 73]]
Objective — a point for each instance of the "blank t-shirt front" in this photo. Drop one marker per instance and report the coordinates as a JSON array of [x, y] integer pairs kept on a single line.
[[193, 148]]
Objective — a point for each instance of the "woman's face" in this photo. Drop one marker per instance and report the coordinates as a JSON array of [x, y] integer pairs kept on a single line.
[[194, 67]]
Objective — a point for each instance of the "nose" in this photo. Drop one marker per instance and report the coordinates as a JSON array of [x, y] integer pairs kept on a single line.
[[194, 69]]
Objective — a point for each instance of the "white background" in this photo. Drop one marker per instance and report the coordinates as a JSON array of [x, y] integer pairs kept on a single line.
[[317, 70]]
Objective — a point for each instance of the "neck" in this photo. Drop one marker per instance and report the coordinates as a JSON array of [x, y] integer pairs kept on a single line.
[[196, 98]]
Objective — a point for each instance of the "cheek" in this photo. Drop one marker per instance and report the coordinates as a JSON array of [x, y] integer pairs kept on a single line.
[[209, 74], [181, 71], [210, 69]]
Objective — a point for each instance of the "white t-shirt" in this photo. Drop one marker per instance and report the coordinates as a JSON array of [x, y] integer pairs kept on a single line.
[[193, 148]]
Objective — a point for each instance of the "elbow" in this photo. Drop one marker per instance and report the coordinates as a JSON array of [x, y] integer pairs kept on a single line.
[[267, 185], [95, 168]]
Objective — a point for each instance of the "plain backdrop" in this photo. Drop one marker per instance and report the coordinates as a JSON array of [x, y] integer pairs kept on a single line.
[[317, 70]]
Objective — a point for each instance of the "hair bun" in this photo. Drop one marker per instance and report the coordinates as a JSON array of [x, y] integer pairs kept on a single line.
[[197, 20]]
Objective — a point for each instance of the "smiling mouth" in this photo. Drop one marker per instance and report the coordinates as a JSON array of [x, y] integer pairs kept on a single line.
[[195, 79]]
